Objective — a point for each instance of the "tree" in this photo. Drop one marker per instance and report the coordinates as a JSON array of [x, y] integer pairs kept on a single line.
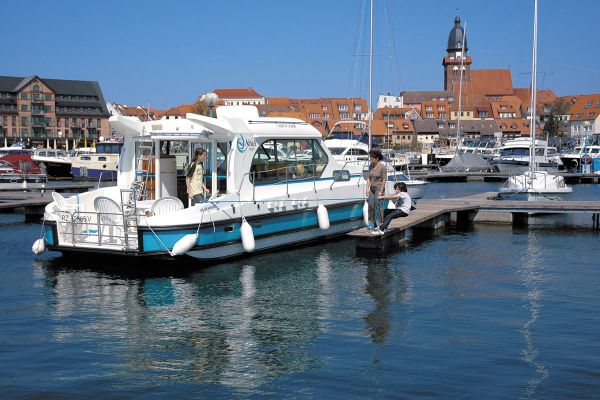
[[200, 108], [551, 126]]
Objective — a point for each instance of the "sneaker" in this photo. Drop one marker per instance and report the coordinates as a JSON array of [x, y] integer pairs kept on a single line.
[[375, 232], [381, 232]]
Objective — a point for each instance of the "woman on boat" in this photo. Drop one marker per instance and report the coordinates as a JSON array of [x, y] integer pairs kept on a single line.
[[375, 186], [194, 180], [402, 202]]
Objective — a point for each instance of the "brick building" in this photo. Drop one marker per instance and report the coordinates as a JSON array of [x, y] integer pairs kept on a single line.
[[37, 109]]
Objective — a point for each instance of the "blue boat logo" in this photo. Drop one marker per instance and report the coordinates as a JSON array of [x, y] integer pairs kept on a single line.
[[241, 144]]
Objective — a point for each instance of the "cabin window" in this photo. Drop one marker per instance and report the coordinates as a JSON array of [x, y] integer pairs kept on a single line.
[[288, 160]]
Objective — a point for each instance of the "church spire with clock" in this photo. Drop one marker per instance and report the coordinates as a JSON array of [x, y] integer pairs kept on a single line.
[[453, 60]]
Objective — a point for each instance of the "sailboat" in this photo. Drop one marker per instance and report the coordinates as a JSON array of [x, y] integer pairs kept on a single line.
[[534, 185]]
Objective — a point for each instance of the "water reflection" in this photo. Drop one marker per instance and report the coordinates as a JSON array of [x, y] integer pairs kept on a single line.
[[234, 324], [388, 285], [532, 274]]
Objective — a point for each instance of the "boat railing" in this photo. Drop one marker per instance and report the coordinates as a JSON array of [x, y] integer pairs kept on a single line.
[[286, 177], [80, 228]]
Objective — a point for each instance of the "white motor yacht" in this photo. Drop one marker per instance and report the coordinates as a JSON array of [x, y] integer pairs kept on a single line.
[[260, 199]]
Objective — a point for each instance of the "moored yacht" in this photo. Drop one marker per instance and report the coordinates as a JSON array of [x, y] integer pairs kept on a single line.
[[16, 165], [56, 162], [515, 155], [101, 164], [260, 199]]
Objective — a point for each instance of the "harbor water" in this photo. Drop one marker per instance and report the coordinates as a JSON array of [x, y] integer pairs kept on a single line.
[[490, 312]]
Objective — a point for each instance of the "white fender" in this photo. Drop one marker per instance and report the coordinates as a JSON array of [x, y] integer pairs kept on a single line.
[[38, 247], [247, 236], [184, 244], [366, 212], [323, 217]]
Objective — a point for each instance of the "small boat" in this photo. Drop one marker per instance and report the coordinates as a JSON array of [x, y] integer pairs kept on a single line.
[[101, 165], [56, 161], [17, 165], [582, 156]]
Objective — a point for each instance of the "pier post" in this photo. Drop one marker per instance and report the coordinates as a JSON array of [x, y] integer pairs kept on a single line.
[[520, 219], [464, 219]]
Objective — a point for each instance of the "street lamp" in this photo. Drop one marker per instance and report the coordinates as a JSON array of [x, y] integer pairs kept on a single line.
[[59, 134], [210, 99], [586, 167]]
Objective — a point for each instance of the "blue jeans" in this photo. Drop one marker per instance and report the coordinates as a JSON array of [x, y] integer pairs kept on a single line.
[[375, 208], [389, 216]]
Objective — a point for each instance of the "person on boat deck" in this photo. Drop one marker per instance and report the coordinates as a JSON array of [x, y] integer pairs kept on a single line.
[[402, 202], [194, 180], [375, 186]]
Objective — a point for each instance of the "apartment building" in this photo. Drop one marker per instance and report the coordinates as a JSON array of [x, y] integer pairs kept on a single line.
[[36, 109]]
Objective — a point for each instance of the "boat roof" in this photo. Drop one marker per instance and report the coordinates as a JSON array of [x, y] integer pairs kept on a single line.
[[231, 121]]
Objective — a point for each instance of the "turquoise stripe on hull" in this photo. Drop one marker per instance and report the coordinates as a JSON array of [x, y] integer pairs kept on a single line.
[[49, 235], [265, 226]]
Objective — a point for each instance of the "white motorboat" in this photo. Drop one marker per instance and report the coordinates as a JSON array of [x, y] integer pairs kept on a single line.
[[583, 156], [260, 199], [101, 164], [534, 184], [515, 156], [57, 162], [354, 155]]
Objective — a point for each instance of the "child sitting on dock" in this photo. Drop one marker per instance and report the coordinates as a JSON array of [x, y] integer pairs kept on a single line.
[[403, 203]]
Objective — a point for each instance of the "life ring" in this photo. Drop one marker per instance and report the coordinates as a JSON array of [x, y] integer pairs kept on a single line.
[[586, 158]]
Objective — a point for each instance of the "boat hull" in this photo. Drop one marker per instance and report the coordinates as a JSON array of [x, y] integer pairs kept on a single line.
[[84, 173], [520, 167], [223, 239], [57, 170]]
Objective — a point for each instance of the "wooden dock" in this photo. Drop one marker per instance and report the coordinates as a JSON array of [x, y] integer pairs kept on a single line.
[[436, 214], [31, 200], [439, 176]]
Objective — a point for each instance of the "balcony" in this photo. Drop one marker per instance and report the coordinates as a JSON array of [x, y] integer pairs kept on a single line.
[[37, 112]]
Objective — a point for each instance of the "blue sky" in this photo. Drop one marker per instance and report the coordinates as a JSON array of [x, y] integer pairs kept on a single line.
[[165, 53]]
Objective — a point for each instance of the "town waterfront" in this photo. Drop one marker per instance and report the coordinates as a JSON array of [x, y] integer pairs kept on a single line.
[[491, 312]]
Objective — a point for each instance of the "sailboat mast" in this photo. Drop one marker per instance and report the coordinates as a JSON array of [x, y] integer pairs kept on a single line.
[[462, 63], [370, 116], [532, 156]]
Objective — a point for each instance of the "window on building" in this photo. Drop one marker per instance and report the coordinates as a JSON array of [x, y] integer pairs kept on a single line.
[[343, 107], [314, 116], [357, 107], [579, 115], [344, 115], [587, 104]]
